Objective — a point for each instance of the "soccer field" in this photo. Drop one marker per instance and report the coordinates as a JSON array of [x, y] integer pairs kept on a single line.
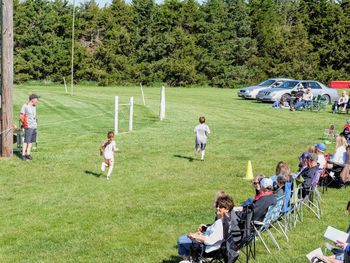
[[58, 208]]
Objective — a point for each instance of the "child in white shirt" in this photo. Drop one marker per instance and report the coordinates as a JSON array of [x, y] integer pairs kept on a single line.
[[107, 150], [201, 130]]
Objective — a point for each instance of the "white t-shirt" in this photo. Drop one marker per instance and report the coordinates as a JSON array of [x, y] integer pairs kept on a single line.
[[29, 116], [202, 131], [340, 155], [108, 152], [321, 161], [214, 236]]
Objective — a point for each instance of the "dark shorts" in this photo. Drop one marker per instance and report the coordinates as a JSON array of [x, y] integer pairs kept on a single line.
[[200, 146], [29, 135]]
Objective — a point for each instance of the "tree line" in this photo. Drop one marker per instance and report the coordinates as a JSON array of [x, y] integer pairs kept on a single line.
[[221, 43]]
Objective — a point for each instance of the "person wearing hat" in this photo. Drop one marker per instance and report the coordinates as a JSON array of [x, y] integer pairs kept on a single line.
[[29, 123], [266, 198], [320, 150]]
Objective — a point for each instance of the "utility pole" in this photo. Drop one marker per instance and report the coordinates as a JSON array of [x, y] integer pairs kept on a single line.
[[6, 117], [72, 59]]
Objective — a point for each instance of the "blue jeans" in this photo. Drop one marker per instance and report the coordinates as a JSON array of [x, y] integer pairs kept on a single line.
[[184, 246], [303, 104]]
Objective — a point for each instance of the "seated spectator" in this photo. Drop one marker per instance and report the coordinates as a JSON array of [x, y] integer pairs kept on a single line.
[[339, 157], [345, 172], [282, 169], [330, 133], [346, 134], [341, 102], [281, 181], [311, 148], [282, 103], [302, 166], [320, 151], [347, 125], [262, 200], [266, 198], [340, 255], [256, 184], [297, 97], [209, 238], [309, 173], [306, 100]]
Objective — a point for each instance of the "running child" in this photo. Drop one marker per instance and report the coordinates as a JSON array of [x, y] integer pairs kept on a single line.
[[107, 150], [201, 130]]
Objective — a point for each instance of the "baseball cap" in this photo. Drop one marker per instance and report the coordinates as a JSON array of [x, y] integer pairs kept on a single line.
[[33, 96], [303, 156], [321, 146], [266, 183]]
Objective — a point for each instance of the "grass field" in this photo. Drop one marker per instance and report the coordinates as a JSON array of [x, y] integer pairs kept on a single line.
[[58, 208]]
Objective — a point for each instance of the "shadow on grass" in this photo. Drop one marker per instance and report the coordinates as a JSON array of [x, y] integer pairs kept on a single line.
[[173, 259], [189, 158], [93, 173], [17, 153]]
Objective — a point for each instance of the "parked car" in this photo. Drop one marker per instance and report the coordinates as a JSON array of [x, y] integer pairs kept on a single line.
[[252, 91], [289, 87]]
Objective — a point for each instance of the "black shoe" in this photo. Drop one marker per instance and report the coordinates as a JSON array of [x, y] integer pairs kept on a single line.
[[29, 157], [23, 158]]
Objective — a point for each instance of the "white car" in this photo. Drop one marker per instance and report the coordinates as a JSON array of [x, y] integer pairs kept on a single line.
[[251, 92], [289, 87]]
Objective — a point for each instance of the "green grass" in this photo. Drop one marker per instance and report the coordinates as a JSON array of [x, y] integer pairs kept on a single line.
[[57, 209]]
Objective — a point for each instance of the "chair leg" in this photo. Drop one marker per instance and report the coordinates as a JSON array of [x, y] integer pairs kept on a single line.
[[262, 240], [284, 231], [273, 239]]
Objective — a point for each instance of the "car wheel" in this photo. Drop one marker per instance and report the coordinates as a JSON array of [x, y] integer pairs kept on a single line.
[[326, 99]]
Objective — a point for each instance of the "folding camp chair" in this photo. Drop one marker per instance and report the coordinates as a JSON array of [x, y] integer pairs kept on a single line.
[[296, 213], [271, 217], [312, 201], [247, 244], [286, 209], [226, 252], [318, 103]]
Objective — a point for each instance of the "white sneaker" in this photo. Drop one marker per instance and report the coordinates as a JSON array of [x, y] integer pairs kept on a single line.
[[185, 261], [103, 167], [108, 177]]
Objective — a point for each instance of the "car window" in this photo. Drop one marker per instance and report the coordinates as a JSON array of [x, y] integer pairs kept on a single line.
[[314, 85], [288, 85], [266, 83]]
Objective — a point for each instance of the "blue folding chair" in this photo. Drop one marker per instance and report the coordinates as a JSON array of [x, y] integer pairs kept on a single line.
[[286, 210], [272, 216]]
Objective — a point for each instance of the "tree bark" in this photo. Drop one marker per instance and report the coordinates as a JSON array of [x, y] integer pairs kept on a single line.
[[7, 79]]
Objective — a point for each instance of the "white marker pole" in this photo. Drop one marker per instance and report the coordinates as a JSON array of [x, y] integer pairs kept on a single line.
[[65, 84], [116, 111], [131, 113], [162, 104], [143, 96]]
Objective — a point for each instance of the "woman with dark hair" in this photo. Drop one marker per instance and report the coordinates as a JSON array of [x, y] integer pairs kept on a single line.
[[211, 237]]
